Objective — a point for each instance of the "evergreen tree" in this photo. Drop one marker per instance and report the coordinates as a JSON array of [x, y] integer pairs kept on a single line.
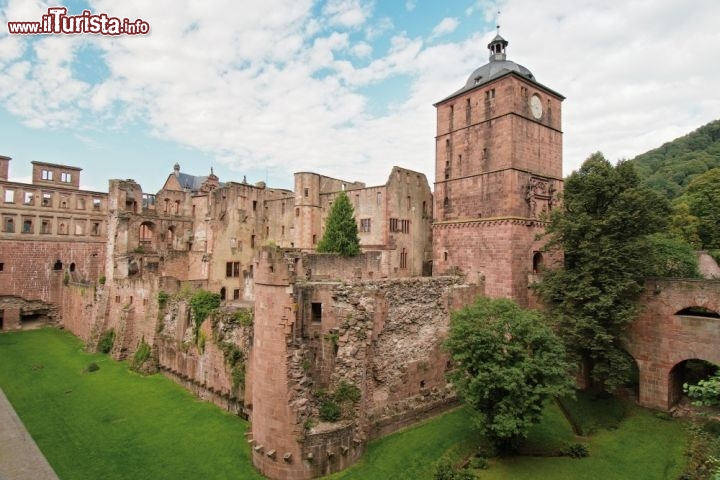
[[508, 363], [341, 232], [603, 231]]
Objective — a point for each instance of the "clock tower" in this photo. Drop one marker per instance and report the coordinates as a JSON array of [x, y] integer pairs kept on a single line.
[[498, 168]]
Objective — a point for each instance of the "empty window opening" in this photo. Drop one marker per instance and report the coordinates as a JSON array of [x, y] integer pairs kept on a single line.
[[27, 226], [314, 241], [146, 235], [446, 202], [9, 225], [403, 259], [45, 226], [316, 312], [117, 298], [467, 111], [252, 241], [254, 205], [58, 265], [222, 293], [62, 229], [96, 204], [409, 202], [306, 192], [2, 266], [9, 196], [28, 200], [365, 225], [445, 256], [72, 267], [236, 294], [538, 262]]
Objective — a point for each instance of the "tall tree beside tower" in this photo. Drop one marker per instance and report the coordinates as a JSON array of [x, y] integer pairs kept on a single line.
[[603, 232], [341, 231]]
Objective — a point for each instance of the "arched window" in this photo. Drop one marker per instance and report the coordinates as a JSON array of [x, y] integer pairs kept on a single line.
[[222, 293], [145, 235], [58, 265]]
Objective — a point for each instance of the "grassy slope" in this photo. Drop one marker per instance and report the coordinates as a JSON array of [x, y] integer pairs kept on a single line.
[[642, 448], [112, 424], [412, 453]]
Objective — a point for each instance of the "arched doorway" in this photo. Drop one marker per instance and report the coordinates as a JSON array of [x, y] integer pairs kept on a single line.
[[688, 371]]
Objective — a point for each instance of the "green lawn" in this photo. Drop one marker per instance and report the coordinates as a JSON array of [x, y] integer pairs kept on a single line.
[[113, 424]]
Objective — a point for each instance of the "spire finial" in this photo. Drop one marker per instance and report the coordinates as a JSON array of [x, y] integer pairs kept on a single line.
[[497, 22]]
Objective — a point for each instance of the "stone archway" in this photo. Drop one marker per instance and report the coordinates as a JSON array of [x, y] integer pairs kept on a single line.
[[690, 371], [679, 321]]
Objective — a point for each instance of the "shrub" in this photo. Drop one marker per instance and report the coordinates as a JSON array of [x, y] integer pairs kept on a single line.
[[107, 339], [347, 391], [479, 463], [446, 471], [243, 317], [101, 280], [575, 450], [202, 304], [162, 297], [329, 411], [141, 355], [92, 367]]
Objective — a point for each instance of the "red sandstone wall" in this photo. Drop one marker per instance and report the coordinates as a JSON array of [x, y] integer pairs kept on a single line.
[[28, 267], [275, 425], [498, 251]]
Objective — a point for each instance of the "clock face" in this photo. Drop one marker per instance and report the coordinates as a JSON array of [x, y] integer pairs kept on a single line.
[[536, 106]]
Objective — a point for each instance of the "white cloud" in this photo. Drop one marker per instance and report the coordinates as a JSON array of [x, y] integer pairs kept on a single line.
[[346, 13], [268, 85], [446, 25], [410, 5], [361, 50]]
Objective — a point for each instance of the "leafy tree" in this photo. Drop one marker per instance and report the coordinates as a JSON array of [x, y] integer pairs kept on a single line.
[[341, 232], [602, 231], [671, 257], [702, 197], [683, 224], [508, 363]]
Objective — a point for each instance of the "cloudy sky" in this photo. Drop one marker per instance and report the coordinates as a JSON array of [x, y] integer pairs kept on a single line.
[[263, 89]]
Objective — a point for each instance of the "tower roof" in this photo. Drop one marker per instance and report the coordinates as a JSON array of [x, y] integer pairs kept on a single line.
[[499, 66]]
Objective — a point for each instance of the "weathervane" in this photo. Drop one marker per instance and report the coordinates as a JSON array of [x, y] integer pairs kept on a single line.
[[497, 23]]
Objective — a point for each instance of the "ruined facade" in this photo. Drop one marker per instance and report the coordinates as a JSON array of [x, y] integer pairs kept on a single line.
[[52, 233]]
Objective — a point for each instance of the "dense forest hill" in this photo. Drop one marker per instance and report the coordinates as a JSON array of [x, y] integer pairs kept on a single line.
[[671, 167]]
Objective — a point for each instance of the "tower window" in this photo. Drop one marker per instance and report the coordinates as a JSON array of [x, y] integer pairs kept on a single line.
[[468, 114], [306, 192], [446, 202], [452, 114]]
